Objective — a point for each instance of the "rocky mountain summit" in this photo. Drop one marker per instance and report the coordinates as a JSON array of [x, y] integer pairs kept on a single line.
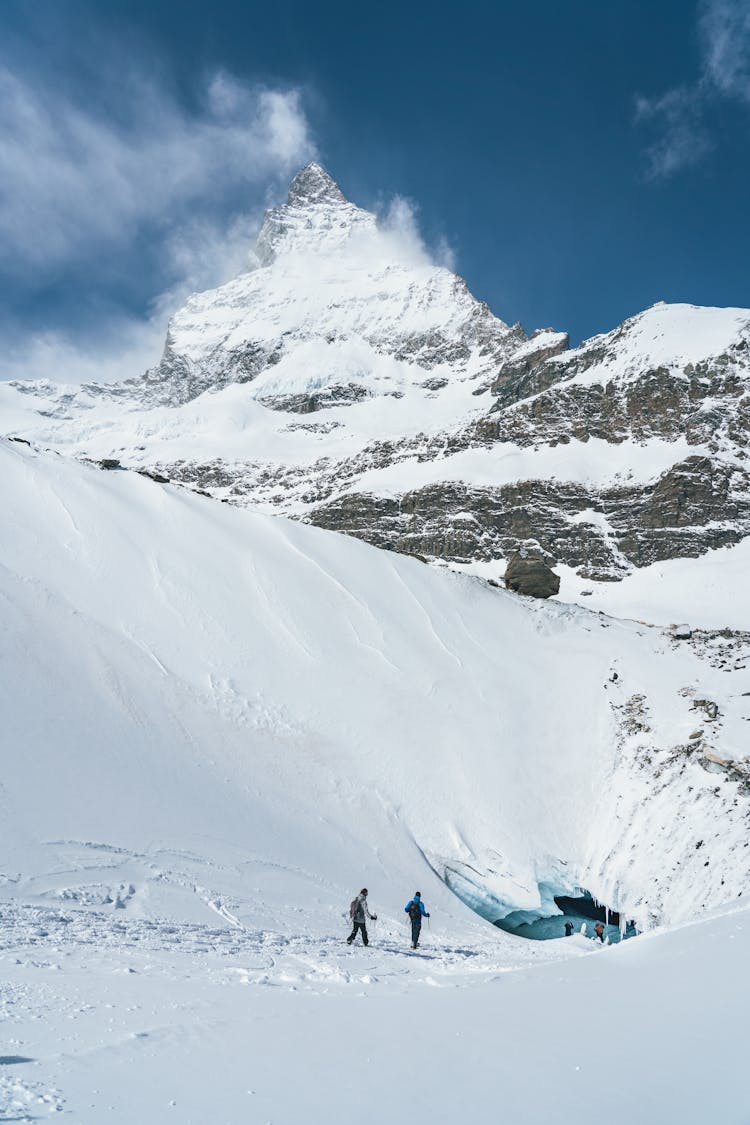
[[347, 380]]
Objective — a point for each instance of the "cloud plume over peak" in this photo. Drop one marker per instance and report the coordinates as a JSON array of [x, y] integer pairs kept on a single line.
[[74, 182], [135, 199], [399, 223]]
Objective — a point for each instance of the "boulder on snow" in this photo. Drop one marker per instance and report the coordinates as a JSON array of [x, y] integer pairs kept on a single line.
[[710, 708], [526, 574], [681, 632]]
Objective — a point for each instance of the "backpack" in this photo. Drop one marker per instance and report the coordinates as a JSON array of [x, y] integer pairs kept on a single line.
[[414, 911], [354, 908]]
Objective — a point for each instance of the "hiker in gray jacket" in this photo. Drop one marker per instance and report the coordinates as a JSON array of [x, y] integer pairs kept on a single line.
[[359, 913]]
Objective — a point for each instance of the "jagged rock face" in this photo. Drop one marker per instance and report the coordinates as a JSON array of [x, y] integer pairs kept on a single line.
[[659, 404], [347, 380], [531, 576], [695, 506]]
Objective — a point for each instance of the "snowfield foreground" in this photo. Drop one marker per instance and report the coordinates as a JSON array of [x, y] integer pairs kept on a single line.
[[217, 726], [128, 1021]]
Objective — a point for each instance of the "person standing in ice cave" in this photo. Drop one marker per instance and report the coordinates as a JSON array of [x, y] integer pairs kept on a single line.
[[359, 913], [416, 911]]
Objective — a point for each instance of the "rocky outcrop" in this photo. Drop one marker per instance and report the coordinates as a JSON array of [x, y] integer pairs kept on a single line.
[[326, 399], [530, 575], [659, 403], [527, 372], [694, 507]]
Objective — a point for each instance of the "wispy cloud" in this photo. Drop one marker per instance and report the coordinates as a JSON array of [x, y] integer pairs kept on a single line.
[[678, 118], [199, 254], [724, 27], [72, 180], [164, 195], [143, 191], [681, 138], [121, 348], [399, 224]]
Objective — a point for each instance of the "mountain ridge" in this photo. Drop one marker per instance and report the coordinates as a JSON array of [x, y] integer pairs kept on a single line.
[[345, 361]]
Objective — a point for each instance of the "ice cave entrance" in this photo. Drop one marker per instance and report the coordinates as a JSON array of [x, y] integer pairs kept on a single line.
[[577, 910]]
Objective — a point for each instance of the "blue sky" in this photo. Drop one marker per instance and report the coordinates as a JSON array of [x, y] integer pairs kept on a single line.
[[580, 160]]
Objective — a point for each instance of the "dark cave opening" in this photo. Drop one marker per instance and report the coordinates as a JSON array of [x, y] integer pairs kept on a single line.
[[579, 914]]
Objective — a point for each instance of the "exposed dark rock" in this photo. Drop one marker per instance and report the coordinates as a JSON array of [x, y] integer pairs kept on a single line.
[[528, 575], [681, 632], [694, 507], [109, 463], [659, 403], [153, 476], [520, 378], [314, 185], [708, 706], [342, 394]]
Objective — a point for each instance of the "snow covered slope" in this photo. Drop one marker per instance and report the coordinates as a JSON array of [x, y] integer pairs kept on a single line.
[[178, 672], [217, 725]]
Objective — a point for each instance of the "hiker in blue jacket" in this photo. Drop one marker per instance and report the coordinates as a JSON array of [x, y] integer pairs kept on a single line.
[[416, 911]]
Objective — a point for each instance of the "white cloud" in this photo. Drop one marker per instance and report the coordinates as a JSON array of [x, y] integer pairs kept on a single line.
[[725, 31], [678, 117], [681, 138], [73, 182], [199, 255], [122, 350], [145, 187], [169, 196], [400, 226], [287, 127]]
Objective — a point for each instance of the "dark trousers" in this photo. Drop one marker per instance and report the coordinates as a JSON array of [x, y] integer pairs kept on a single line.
[[416, 926], [358, 926]]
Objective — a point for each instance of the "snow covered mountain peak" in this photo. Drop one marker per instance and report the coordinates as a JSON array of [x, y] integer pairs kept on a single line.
[[313, 184], [339, 309], [317, 219]]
